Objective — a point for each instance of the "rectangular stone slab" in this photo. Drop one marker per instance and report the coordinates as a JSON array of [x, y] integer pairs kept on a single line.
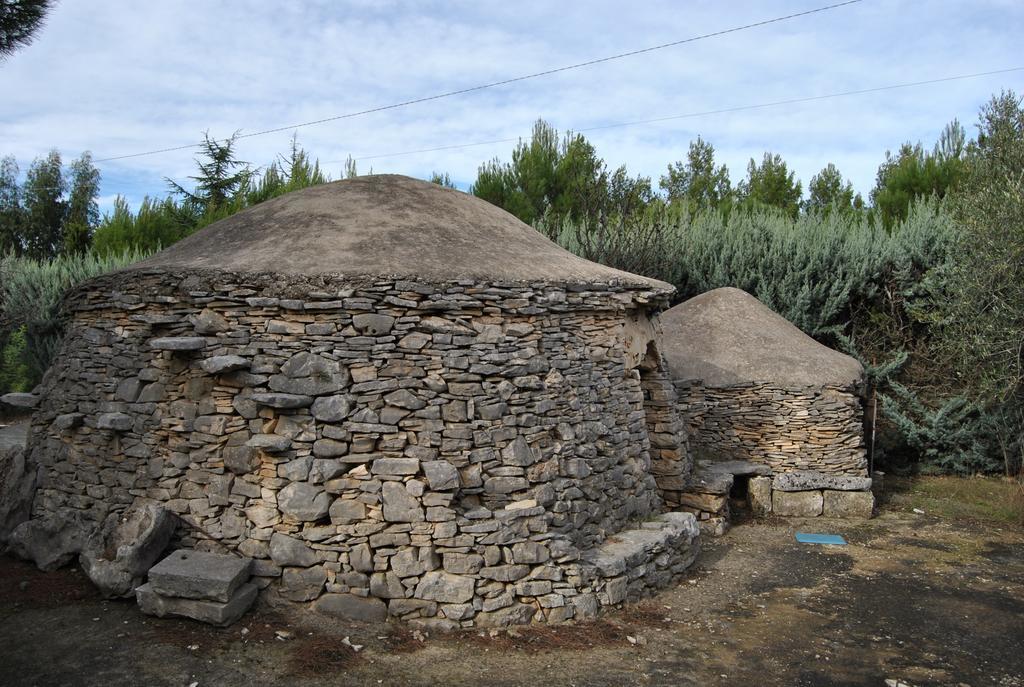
[[212, 612], [805, 480], [199, 575]]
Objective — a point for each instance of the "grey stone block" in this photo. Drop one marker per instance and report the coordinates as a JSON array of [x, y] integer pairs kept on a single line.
[[282, 401], [798, 504], [395, 466], [331, 408], [805, 480], [209, 322], [351, 607], [118, 422], [216, 613], [441, 475], [737, 467], [52, 540], [848, 504], [304, 502], [219, 364], [178, 343], [400, 505], [271, 443], [117, 558], [516, 614], [329, 448], [346, 511], [373, 324], [20, 400], [759, 495], [288, 551], [303, 584], [199, 575], [18, 482], [445, 587]]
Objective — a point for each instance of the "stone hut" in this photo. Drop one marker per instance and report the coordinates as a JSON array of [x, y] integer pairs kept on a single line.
[[395, 398], [761, 398]]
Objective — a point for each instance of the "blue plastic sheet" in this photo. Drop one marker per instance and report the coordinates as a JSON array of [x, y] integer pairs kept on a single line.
[[806, 538]]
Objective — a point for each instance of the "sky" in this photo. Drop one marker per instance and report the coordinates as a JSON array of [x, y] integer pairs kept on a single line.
[[121, 77]]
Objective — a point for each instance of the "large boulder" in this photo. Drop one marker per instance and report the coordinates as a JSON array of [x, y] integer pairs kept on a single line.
[[18, 482], [120, 554], [53, 540]]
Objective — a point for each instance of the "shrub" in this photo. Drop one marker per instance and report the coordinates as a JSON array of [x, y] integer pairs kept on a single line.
[[14, 373], [31, 293]]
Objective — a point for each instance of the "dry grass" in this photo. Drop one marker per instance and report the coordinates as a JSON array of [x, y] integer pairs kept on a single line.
[[994, 500]]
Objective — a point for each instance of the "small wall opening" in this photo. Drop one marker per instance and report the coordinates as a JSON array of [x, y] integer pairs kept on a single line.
[[739, 493]]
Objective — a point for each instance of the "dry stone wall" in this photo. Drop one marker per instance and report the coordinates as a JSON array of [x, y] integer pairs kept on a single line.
[[817, 429], [456, 453]]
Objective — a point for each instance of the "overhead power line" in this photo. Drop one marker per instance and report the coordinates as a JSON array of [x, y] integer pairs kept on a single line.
[[504, 82], [703, 113]]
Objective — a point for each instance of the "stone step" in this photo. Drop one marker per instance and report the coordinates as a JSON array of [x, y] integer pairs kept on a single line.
[[216, 613], [623, 551], [187, 574]]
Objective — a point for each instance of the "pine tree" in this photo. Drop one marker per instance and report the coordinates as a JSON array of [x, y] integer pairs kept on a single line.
[[19, 22], [772, 184], [698, 182], [222, 176], [828, 190]]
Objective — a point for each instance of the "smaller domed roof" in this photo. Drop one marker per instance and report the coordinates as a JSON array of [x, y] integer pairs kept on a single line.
[[727, 337], [384, 225]]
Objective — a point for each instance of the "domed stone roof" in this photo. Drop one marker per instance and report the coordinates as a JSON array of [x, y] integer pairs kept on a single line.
[[727, 336], [384, 225]]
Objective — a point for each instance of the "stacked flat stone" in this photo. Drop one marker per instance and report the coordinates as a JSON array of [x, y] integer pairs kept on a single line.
[[446, 450], [208, 587], [810, 428], [753, 388], [805, 493], [435, 449]]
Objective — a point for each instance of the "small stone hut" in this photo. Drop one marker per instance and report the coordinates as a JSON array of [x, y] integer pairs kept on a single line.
[[760, 397], [396, 398]]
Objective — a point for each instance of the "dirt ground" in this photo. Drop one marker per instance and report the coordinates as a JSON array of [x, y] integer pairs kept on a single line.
[[923, 599]]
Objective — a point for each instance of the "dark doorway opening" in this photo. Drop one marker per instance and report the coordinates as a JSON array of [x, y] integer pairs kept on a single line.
[[739, 494]]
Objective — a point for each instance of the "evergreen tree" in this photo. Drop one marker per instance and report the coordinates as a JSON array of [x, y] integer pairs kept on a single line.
[[442, 180], [351, 172], [44, 207], [11, 214], [19, 21], [221, 178], [912, 173], [829, 190], [985, 323], [156, 225], [83, 212], [557, 181], [698, 182], [772, 184]]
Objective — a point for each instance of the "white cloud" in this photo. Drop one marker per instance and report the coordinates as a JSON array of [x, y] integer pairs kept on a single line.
[[118, 77]]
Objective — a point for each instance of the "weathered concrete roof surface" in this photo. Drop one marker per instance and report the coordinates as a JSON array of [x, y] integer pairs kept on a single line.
[[727, 336], [384, 225]]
